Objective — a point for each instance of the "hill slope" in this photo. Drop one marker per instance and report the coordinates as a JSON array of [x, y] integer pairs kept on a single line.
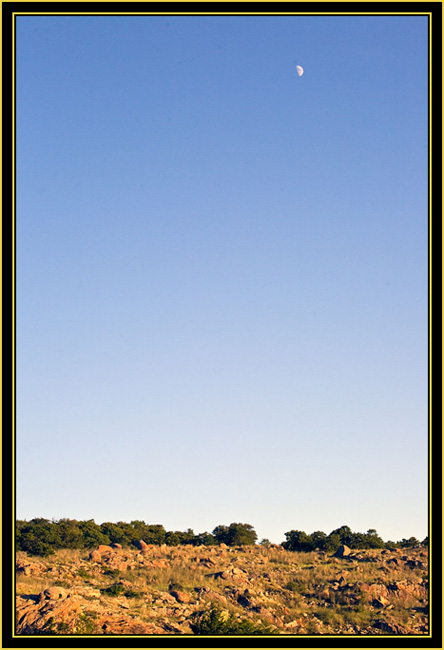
[[170, 590]]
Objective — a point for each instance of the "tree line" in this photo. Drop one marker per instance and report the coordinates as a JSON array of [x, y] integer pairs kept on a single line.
[[297, 540], [43, 537]]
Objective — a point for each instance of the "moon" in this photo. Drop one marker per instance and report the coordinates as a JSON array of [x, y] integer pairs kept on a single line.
[[299, 70]]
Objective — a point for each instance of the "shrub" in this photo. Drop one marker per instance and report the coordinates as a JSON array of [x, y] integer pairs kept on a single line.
[[53, 627], [113, 590], [215, 621], [113, 573], [85, 623], [130, 593], [296, 586]]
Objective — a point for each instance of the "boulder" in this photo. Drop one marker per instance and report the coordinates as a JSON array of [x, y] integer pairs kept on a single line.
[[95, 556], [141, 545], [54, 593], [403, 589], [375, 591], [180, 596], [343, 551], [29, 568], [47, 616], [165, 597], [103, 548]]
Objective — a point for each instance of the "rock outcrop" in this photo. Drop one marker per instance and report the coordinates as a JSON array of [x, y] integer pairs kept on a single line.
[[157, 590]]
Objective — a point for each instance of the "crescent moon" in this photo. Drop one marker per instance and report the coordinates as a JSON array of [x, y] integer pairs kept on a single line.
[[299, 70]]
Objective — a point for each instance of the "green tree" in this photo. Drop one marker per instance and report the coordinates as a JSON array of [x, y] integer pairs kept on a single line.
[[149, 533], [345, 535], [319, 540], [372, 539], [409, 543], [92, 534], [220, 534], [116, 534], [241, 535], [39, 537], [173, 538], [332, 543], [204, 539], [299, 541], [235, 534], [70, 533]]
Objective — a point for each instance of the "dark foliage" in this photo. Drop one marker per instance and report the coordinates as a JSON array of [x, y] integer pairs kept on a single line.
[[213, 621], [235, 535], [43, 537], [300, 541]]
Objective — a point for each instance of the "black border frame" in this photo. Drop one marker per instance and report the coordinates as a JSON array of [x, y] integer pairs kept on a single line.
[[434, 639]]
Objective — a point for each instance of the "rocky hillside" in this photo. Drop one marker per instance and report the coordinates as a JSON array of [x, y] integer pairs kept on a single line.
[[254, 589]]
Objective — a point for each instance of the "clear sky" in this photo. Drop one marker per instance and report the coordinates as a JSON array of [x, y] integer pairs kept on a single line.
[[222, 271]]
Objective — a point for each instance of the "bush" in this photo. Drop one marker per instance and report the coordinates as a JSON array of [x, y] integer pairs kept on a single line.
[[296, 586], [215, 621], [86, 623], [113, 590], [133, 594], [111, 572]]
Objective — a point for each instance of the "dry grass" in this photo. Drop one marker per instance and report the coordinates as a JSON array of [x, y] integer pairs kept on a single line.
[[292, 588]]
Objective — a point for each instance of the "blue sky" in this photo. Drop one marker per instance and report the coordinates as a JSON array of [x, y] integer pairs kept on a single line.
[[222, 271]]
